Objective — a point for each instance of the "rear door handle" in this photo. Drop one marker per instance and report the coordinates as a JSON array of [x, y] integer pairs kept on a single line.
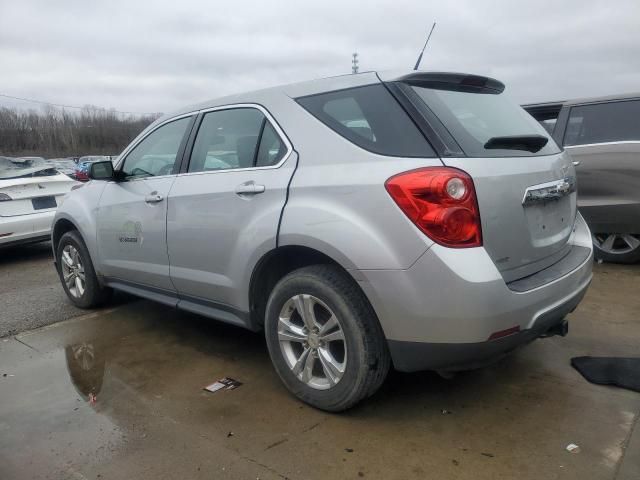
[[154, 197], [249, 188]]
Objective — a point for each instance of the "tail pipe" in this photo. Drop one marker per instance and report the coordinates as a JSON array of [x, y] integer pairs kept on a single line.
[[560, 329]]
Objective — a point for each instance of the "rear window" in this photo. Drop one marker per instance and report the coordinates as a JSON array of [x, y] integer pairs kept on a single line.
[[473, 118], [604, 122], [371, 118]]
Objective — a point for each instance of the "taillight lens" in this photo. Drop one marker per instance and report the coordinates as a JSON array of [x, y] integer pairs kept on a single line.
[[442, 202]]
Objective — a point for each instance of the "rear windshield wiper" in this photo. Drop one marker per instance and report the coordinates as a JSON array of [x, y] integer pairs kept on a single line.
[[528, 143]]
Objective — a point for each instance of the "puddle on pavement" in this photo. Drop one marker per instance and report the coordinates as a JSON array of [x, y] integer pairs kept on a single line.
[[121, 390]]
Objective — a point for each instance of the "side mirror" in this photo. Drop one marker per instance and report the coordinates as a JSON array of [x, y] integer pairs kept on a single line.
[[101, 170]]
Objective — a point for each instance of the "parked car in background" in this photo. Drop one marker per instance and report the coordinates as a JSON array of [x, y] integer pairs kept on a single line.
[[30, 191], [602, 135], [63, 165], [423, 220], [82, 166]]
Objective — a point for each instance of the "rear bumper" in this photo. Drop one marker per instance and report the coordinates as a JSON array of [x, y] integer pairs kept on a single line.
[[441, 312], [25, 228], [415, 356]]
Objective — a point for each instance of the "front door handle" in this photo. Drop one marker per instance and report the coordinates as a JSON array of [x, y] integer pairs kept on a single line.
[[153, 197], [249, 188]]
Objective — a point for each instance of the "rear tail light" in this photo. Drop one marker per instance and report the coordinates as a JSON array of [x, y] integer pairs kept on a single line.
[[442, 202]]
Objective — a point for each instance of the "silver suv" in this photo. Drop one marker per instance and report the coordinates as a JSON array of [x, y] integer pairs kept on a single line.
[[420, 220]]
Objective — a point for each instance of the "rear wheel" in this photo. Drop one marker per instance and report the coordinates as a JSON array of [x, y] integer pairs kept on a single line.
[[617, 247], [77, 274], [324, 339]]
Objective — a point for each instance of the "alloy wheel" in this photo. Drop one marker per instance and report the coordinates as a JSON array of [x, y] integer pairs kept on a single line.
[[312, 341], [73, 271], [616, 243]]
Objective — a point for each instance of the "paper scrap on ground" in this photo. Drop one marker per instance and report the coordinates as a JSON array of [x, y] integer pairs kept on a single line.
[[573, 448], [225, 383]]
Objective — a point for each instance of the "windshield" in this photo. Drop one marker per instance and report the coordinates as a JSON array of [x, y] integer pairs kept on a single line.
[[475, 118]]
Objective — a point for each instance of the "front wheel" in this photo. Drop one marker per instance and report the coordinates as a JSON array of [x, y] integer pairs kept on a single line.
[[617, 247], [77, 274], [324, 339]]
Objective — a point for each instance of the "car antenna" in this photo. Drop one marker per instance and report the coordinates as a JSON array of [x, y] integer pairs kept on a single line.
[[425, 46]]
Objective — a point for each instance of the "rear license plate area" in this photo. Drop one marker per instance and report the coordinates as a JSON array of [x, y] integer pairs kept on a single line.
[[42, 203]]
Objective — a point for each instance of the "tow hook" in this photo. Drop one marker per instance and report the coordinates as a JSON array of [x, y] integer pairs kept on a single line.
[[561, 329]]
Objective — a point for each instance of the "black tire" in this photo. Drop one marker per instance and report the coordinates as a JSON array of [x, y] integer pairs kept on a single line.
[[368, 358], [94, 294], [623, 257]]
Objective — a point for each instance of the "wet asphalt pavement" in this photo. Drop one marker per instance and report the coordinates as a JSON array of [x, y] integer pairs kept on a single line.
[[30, 293], [117, 394]]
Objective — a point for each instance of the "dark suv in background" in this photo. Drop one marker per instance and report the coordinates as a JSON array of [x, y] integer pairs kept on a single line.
[[602, 135]]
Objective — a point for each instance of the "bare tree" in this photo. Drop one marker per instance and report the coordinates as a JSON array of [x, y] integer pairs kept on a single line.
[[56, 132]]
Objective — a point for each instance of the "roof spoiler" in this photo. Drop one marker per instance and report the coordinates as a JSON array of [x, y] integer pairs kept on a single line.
[[457, 82]]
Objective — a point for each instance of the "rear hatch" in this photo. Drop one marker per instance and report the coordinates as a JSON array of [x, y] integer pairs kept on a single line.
[[524, 184]]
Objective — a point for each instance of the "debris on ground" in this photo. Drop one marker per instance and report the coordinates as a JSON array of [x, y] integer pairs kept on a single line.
[[446, 412], [348, 450], [573, 448], [623, 372], [226, 383], [92, 398], [230, 434], [490, 455]]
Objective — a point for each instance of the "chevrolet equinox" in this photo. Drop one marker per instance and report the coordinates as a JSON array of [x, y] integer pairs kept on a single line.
[[420, 220]]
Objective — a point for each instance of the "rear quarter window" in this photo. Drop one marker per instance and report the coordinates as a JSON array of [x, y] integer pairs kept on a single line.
[[603, 122], [371, 118]]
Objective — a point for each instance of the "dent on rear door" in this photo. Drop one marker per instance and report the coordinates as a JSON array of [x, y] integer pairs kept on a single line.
[[215, 236]]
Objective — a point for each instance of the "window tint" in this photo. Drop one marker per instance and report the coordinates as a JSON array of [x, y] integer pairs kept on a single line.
[[235, 138], [603, 122], [371, 118], [156, 154], [549, 124], [473, 118], [272, 148]]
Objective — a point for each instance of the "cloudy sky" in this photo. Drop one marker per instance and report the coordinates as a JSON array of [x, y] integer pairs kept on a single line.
[[154, 56]]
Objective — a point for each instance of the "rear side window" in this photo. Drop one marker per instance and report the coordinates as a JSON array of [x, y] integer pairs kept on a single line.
[[271, 148], [371, 118], [603, 122], [473, 118], [235, 138]]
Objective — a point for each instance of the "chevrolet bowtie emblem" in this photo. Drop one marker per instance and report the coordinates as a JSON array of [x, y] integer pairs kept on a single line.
[[549, 191]]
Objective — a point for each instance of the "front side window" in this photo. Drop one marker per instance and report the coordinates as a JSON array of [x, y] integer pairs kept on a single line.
[[603, 122], [235, 138], [474, 118], [371, 118], [157, 154]]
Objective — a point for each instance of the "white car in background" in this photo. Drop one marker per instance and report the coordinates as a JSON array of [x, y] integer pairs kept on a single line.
[[30, 192]]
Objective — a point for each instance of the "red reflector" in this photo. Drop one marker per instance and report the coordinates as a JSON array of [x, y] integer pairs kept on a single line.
[[504, 333], [441, 201]]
